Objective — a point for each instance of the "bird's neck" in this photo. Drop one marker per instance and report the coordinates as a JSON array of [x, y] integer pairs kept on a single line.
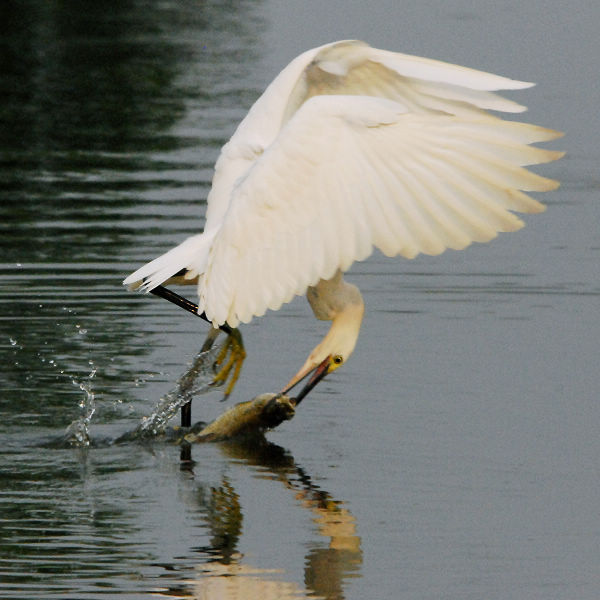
[[345, 327], [341, 337]]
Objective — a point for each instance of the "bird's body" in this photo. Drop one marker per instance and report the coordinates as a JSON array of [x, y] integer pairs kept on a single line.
[[348, 149]]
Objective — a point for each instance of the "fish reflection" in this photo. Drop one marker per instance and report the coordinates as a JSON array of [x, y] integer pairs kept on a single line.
[[227, 576]]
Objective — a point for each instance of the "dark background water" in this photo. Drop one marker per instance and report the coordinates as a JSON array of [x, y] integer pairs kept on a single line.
[[455, 456]]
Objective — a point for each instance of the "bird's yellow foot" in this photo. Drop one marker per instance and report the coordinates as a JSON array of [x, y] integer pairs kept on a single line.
[[229, 361]]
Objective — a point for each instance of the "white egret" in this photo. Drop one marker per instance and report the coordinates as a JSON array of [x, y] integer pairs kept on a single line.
[[352, 148]]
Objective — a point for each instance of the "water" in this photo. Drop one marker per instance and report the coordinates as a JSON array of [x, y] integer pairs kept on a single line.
[[455, 456]]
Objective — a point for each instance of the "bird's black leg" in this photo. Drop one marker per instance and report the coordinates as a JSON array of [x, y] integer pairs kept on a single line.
[[167, 294], [233, 347], [186, 414], [184, 303], [163, 292]]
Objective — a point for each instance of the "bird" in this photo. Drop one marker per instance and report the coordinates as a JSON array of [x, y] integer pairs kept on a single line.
[[349, 149]]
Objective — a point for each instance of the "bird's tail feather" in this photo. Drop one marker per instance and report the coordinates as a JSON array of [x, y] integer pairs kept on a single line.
[[190, 255]]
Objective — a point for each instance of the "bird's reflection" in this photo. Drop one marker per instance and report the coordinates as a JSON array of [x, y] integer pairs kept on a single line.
[[228, 576], [223, 516], [224, 573]]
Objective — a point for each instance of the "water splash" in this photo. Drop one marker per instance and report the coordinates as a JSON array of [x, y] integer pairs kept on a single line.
[[78, 432], [198, 379]]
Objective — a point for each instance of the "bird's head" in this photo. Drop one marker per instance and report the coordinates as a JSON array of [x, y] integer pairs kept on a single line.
[[333, 351]]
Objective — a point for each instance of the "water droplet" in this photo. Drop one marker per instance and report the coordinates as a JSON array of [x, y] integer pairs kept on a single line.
[[78, 430], [198, 380]]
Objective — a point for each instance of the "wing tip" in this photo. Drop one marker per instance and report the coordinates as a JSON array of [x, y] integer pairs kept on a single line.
[[549, 134], [514, 84], [551, 184], [132, 283]]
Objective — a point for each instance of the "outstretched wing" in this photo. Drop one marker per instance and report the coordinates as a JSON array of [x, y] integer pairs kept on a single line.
[[349, 173], [421, 85]]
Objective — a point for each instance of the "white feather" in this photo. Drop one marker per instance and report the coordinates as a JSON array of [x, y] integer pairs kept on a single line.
[[348, 149], [191, 254]]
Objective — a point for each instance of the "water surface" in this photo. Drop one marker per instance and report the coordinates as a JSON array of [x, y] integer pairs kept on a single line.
[[455, 456]]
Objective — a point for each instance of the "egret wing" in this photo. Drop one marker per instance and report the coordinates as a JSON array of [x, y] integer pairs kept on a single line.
[[350, 67], [349, 173], [420, 84]]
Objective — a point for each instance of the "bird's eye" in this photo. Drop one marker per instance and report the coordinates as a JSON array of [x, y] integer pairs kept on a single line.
[[337, 360]]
